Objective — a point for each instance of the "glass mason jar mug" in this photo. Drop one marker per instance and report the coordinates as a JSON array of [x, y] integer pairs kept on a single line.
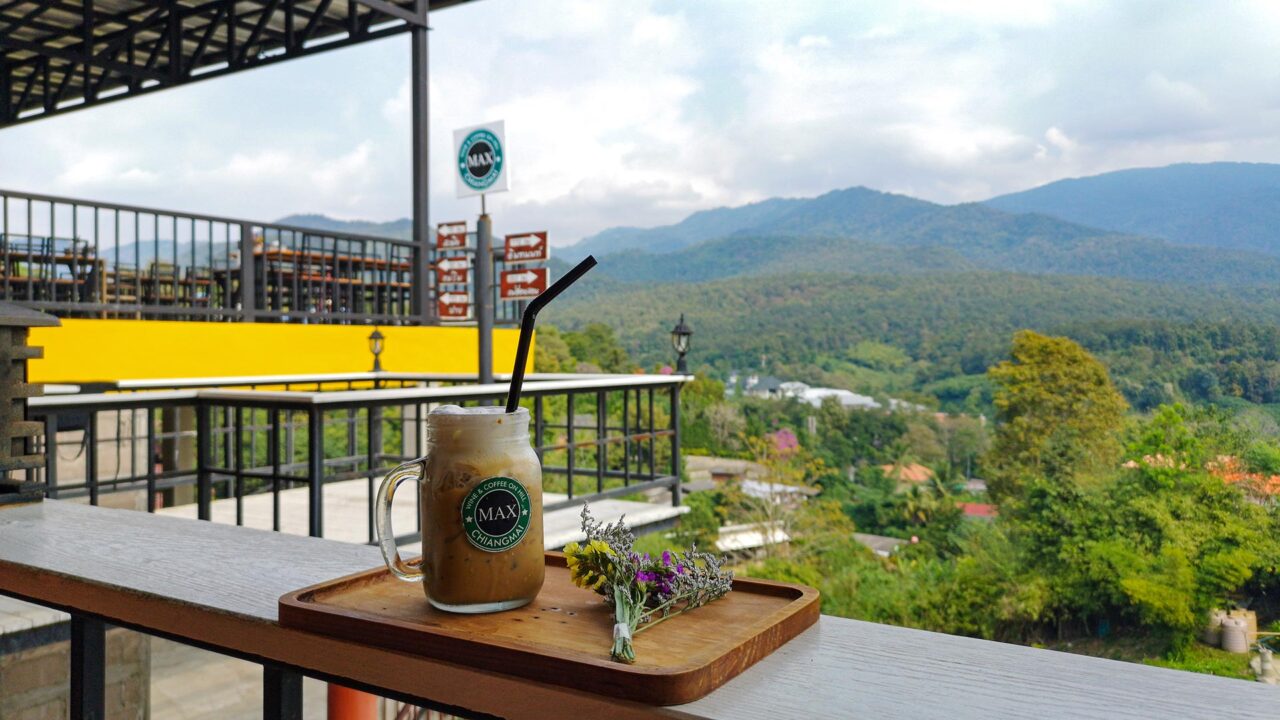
[[480, 496]]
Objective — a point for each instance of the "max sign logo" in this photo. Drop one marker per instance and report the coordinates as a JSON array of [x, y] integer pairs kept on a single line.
[[481, 163], [495, 514]]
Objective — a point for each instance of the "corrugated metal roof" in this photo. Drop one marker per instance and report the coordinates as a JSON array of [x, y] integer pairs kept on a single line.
[[61, 55]]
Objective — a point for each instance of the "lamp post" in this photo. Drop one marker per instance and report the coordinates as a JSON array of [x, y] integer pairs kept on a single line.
[[680, 335], [375, 347]]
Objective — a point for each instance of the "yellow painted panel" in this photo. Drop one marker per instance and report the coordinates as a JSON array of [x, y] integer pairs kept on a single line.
[[102, 350]]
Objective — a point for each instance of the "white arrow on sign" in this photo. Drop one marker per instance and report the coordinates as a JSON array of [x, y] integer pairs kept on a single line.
[[524, 241], [453, 263], [527, 276], [454, 298]]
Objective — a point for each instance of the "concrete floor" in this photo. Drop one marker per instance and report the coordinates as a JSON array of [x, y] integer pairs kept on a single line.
[[192, 684]]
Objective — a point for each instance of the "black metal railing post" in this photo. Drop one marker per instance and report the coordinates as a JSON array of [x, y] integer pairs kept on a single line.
[[315, 471], [572, 449], [373, 417], [151, 459], [626, 439], [247, 271], [675, 444], [273, 456], [88, 668], [51, 454], [281, 693], [204, 480], [602, 437], [91, 456]]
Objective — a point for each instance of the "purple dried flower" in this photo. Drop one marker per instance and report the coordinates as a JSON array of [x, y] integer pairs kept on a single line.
[[666, 558]]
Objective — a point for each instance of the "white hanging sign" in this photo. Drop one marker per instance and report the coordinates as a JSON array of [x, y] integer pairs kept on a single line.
[[480, 154]]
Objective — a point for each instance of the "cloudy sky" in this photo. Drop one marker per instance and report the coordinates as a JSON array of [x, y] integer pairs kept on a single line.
[[637, 112]]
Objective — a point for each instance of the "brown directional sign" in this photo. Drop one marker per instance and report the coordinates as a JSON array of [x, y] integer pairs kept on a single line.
[[453, 271], [527, 247], [451, 235], [454, 305], [523, 283]]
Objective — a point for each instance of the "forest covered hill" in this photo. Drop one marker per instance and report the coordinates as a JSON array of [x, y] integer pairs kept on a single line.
[[1225, 204]]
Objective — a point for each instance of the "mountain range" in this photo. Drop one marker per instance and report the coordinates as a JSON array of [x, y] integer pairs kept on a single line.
[[864, 231], [401, 229], [790, 284], [1229, 205]]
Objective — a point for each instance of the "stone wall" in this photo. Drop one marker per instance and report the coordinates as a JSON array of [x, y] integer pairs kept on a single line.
[[35, 680]]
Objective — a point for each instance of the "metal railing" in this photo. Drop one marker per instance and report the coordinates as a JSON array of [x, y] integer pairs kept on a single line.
[[597, 437], [305, 381], [81, 258]]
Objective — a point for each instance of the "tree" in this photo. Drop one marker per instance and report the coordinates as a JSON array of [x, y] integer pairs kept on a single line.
[[925, 445], [551, 354], [596, 345], [1156, 545], [966, 440], [726, 425], [773, 504], [1057, 410]]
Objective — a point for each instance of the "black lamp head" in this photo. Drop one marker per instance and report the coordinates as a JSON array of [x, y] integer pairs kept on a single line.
[[680, 335]]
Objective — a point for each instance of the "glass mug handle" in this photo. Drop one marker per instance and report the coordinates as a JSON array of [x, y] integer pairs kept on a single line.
[[382, 509]]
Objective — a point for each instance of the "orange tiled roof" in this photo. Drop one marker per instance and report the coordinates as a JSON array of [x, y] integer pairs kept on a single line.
[[913, 473], [971, 509], [1233, 472]]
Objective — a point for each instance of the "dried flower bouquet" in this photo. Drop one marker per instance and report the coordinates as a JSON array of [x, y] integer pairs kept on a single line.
[[642, 590]]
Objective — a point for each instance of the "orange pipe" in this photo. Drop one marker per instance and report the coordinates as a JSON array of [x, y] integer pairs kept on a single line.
[[348, 704]]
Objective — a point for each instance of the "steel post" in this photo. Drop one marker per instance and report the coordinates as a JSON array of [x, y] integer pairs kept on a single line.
[[88, 668], [422, 307], [675, 444], [315, 471], [281, 693], [204, 460], [248, 274], [483, 289]]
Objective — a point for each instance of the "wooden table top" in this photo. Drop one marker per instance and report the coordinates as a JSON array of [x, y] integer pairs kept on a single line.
[[218, 585]]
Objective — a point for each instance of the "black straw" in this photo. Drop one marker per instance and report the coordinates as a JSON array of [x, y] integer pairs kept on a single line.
[[527, 320]]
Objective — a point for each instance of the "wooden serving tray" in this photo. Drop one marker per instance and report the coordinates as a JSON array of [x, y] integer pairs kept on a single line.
[[564, 636]]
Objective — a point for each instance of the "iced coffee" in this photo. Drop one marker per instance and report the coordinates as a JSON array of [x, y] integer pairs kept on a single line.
[[480, 495]]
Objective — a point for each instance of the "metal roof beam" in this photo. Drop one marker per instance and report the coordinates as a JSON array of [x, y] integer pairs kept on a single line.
[[113, 41], [263, 18], [72, 52], [41, 7], [76, 57], [209, 30], [396, 11]]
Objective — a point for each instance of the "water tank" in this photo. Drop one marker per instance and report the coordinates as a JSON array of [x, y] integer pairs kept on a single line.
[[1235, 635]]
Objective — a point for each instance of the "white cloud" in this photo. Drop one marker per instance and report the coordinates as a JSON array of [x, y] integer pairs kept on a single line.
[[1058, 139], [814, 41], [104, 167], [638, 113]]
